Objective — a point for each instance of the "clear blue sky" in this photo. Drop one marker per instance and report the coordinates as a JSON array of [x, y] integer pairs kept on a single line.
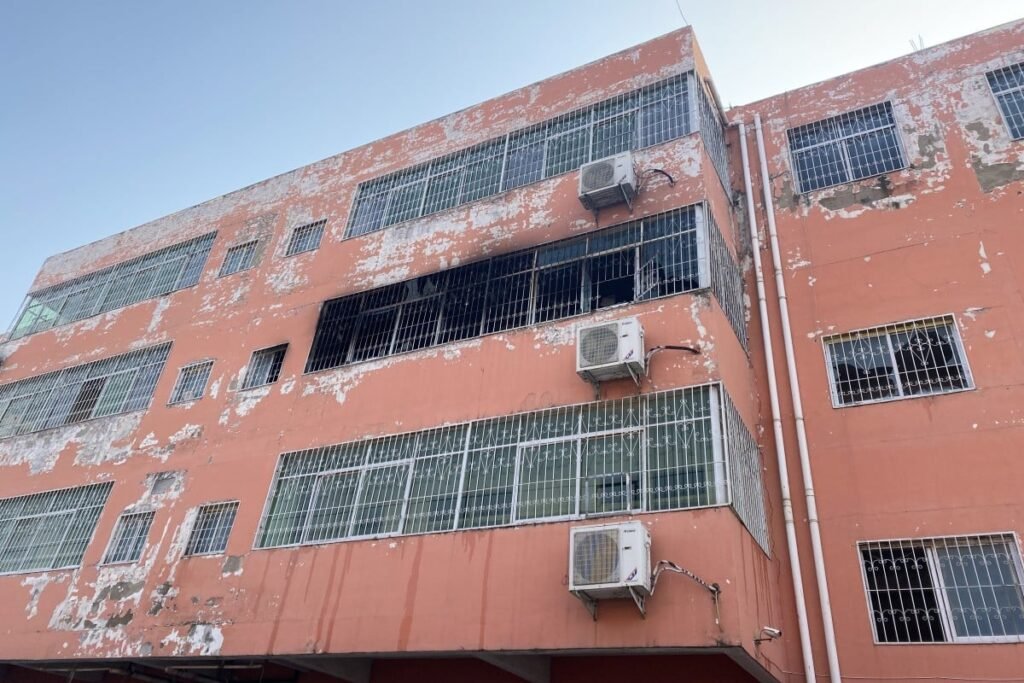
[[116, 113]]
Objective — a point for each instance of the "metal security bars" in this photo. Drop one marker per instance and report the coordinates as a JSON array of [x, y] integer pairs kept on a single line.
[[727, 281], [851, 146], [1008, 87], [110, 386], [239, 258], [655, 452], [305, 238], [745, 483], [901, 360], [942, 590], [641, 118], [129, 537], [145, 277], [211, 529], [712, 133], [658, 256], [49, 530], [265, 366], [191, 382]]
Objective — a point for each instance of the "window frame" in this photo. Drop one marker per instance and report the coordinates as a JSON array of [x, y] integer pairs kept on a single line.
[[930, 547], [119, 526], [245, 385], [319, 226], [901, 147], [882, 331], [251, 247], [172, 401], [233, 504], [999, 103]]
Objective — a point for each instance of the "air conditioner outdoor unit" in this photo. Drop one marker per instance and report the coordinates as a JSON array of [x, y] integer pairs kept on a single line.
[[610, 561], [610, 350], [608, 181]]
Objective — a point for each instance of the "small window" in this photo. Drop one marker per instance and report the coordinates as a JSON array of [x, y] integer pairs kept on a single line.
[[1008, 87], [944, 590], [212, 528], [851, 146], [191, 382], [129, 537], [239, 258], [264, 367], [305, 238], [903, 360]]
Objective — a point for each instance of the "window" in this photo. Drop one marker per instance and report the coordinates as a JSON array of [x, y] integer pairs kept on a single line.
[[145, 277], [944, 590], [191, 382], [129, 537], [239, 258], [306, 238], [656, 452], [264, 367], [212, 528], [902, 360], [848, 147], [1008, 87], [645, 117], [110, 386], [49, 530], [657, 256]]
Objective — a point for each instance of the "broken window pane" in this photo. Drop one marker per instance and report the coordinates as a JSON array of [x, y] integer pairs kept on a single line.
[[612, 278]]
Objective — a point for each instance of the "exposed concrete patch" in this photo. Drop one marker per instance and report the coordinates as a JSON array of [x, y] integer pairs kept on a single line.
[[202, 639], [993, 176], [232, 565], [105, 439]]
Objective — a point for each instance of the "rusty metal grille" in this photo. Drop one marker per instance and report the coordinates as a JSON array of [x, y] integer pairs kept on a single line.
[[941, 590], [119, 384], [851, 146], [238, 258], [265, 366], [1008, 87], [49, 530], [129, 537], [306, 238], [654, 257], [641, 118], [212, 528], [148, 276], [656, 452], [191, 382], [900, 360]]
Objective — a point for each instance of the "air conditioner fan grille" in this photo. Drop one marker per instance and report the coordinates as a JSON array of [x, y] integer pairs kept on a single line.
[[600, 345], [596, 556], [598, 175]]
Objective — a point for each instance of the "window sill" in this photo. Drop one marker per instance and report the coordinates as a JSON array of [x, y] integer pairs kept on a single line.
[[891, 399]]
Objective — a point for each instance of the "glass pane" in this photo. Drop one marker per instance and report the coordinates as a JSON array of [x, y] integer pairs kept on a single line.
[[862, 370], [332, 510], [547, 480], [487, 493], [681, 471], [820, 167], [610, 473], [982, 587], [380, 501], [287, 512], [432, 499], [928, 360]]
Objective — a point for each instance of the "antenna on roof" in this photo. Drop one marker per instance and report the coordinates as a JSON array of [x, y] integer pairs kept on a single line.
[[919, 45], [678, 7]]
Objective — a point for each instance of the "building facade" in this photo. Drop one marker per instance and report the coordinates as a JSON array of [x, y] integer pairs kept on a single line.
[[329, 426]]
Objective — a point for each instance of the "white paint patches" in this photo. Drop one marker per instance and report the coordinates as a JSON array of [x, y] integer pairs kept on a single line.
[[986, 268], [973, 312], [990, 334], [215, 387], [104, 439], [36, 584], [287, 386], [201, 639], [287, 276], [161, 307]]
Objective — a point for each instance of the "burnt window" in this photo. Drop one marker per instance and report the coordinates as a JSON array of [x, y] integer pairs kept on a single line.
[[265, 366]]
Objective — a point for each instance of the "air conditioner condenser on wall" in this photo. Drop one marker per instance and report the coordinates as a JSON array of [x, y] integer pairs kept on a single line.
[[611, 350], [608, 181]]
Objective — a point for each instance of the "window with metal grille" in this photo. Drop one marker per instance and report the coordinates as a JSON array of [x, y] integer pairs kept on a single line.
[[212, 528], [944, 590], [191, 382], [129, 537], [239, 258], [1008, 87], [264, 366], [851, 146], [641, 118], [306, 238], [105, 387], [145, 277], [901, 360], [655, 452], [658, 256], [49, 530]]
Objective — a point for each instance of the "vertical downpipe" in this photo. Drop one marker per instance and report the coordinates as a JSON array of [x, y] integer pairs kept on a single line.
[[798, 415], [780, 444]]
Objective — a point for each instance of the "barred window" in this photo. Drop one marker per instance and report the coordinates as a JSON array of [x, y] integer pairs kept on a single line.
[[942, 590], [49, 530], [145, 277], [264, 366], [129, 537], [1008, 87], [211, 529], [119, 384], [645, 117], [191, 382], [851, 146], [901, 360], [306, 238], [658, 256], [239, 258], [655, 452]]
